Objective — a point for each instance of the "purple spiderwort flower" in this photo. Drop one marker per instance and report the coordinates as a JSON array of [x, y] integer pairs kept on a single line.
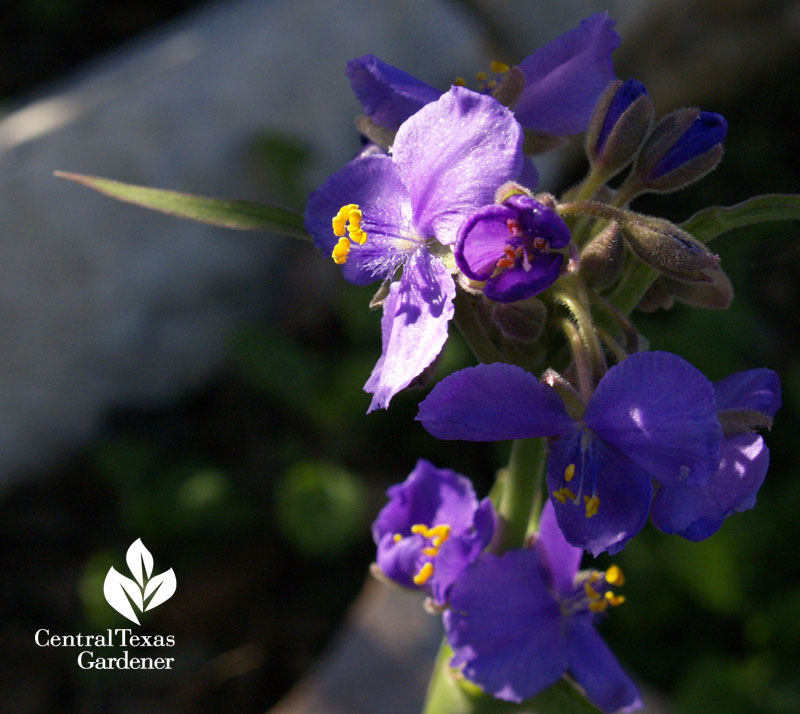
[[509, 246], [652, 416], [518, 622], [431, 529], [696, 512], [380, 214], [563, 80]]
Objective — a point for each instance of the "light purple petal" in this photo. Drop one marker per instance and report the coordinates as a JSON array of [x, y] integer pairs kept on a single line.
[[756, 389], [696, 512], [595, 668], [504, 626], [452, 155], [493, 402], [481, 240], [563, 559], [564, 79], [660, 412], [623, 488], [414, 326], [371, 182], [388, 94]]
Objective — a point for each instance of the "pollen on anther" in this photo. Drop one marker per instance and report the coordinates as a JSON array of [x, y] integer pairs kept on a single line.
[[459, 82], [569, 473], [499, 67], [341, 250], [424, 575], [614, 576], [397, 537], [592, 505]]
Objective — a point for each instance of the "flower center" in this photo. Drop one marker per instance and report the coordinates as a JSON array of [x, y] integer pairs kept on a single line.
[[347, 226], [521, 248], [593, 591], [587, 487], [485, 84], [436, 536]]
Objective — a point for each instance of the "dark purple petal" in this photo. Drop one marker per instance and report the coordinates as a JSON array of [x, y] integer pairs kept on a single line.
[[371, 182], [460, 550], [430, 496], [695, 512], [622, 486], [493, 402], [400, 560], [708, 130], [414, 326], [660, 412], [388, 94], [595, 668], [564, 79], [505, 626], [481, 239], [539, 220], [452, 155], [756, 389], [516, 283], [627, 93], [563, 559]]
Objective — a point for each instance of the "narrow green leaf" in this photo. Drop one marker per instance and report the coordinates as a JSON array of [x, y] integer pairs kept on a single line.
[[716, 220], [240, 215]]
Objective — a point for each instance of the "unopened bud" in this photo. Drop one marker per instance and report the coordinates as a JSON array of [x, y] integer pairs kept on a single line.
[[716, 294], [601, 259], [521, 321], [657, 297], [667, 248], [683, 148], [619, 125]]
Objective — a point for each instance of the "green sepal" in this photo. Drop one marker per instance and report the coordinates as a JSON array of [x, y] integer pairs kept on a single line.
[[449, 693], [240, 215]]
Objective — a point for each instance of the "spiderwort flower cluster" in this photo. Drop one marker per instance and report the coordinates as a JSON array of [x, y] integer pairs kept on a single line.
[[439, 208]]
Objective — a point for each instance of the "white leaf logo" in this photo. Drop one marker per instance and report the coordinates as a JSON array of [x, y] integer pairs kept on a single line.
[[145, 592]]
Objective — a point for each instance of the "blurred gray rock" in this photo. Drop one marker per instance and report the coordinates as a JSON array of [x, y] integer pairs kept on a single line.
[[104, 304]]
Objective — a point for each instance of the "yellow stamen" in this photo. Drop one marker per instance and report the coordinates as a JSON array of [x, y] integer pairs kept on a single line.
[[562, 494], [499, 67], [591, 593], [569, 473], [614, 576], [430, 551], [598, 605], [592, 505], [481, 76], [420, 528], [459, 82], [340, 251], [346, 225], [424, 575], [491, 84], [614, 600], [397, 537]]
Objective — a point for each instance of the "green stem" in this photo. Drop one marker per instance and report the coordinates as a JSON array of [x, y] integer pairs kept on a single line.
[[521, 499]]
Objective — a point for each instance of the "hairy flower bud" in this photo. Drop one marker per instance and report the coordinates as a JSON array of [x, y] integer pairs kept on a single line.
[[619, 125], [667, 248], [684, 147], [601, 258], [520, 321]]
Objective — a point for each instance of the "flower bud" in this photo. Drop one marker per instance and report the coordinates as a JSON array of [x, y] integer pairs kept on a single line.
[[601, 258], [619, 125], [684, 147], [520, 321], [667, 248], [716, 294]]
